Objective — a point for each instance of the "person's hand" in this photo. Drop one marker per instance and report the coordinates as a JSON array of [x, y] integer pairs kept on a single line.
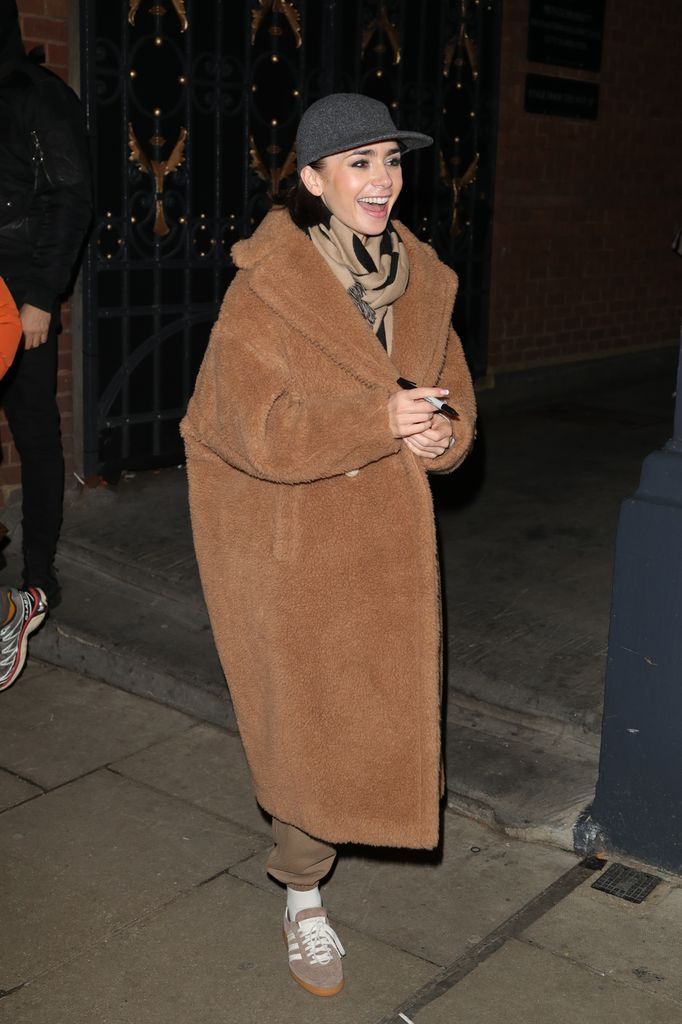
[[432, 442], [409, 414], [35, 323]]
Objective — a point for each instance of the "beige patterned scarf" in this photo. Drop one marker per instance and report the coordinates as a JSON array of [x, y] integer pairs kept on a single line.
[[374, 270]]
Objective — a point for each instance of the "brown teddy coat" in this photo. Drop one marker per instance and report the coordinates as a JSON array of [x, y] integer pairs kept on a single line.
[[314, 534]]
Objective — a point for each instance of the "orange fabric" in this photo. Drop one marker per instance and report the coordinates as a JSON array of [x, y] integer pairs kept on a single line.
[[10, 329]]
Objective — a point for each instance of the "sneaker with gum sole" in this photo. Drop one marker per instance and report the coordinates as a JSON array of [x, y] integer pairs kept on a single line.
[[314, 952]]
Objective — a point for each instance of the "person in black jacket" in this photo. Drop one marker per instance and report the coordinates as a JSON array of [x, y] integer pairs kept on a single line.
[[45, 211]]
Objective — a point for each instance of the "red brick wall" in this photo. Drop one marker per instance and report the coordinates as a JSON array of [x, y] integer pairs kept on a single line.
[[45, 21], [585, 211]]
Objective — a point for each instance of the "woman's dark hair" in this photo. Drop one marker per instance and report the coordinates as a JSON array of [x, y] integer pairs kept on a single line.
[[306, 210]]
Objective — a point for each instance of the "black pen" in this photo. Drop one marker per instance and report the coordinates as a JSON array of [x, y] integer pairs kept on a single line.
[[443, 407]]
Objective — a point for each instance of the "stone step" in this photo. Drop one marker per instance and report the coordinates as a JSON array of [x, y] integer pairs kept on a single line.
[[526, 782], [137, 640], [522, 725]]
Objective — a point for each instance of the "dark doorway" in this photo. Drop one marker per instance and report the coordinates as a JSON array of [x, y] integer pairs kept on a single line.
[[193, 106]]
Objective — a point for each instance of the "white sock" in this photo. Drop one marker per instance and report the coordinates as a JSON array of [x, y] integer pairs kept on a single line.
[[298, 900]]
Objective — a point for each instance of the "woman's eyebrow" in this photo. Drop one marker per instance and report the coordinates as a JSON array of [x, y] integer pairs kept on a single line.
[[373, 152]]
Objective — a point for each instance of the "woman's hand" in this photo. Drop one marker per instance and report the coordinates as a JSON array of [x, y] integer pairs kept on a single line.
[[432, 442], [35, 325], [409, 414]]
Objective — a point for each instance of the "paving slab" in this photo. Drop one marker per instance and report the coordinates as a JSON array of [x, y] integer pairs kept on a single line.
[[435, 907], [57, 725], [215, 956], [524, 985], [638, 944], [85, 859], [14, 791], [204, 765]]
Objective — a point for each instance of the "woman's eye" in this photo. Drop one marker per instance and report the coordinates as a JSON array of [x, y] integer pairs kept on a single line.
[[395, 161], [359, 163]]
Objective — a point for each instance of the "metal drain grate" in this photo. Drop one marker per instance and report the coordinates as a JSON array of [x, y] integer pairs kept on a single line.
[[626, 883]]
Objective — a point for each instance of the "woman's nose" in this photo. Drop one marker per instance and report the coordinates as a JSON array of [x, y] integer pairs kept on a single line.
[[381, 176]]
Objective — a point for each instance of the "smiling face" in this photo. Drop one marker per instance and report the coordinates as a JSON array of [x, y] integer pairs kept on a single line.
[[359, 186]]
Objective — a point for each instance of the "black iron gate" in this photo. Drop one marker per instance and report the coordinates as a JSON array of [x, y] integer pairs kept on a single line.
[[192, 106]]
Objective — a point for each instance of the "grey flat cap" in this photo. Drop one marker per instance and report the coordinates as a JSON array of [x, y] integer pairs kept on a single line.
[[346, 120]]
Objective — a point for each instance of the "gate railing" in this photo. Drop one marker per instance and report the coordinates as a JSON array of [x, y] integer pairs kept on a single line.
[[192, 107]]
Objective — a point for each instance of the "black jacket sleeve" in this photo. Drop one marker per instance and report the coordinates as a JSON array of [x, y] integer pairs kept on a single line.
[[61, 208]]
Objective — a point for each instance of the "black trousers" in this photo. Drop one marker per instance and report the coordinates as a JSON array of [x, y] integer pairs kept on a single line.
[[28, 395]]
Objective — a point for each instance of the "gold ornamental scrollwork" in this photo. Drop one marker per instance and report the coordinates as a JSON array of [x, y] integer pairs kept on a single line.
[[158, 169], [457, 184], [179, 6], [383, 21], [274, 175], [461, 42], [283, 7]]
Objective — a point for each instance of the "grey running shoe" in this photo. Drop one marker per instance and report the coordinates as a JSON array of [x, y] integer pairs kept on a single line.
[[314, 952], [30, 608]]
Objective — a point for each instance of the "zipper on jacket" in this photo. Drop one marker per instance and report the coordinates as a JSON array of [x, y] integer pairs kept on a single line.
[[39, 161]]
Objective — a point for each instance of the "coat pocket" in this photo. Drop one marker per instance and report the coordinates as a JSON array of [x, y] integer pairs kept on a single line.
[[287, 527]]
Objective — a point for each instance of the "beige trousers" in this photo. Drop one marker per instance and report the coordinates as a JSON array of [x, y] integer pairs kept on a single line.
[[297, 859]]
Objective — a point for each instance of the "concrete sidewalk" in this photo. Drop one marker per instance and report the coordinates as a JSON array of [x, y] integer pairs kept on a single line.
[[133, 892]]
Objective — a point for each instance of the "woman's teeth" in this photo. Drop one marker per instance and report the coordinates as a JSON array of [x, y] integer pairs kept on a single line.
[[376, 201]]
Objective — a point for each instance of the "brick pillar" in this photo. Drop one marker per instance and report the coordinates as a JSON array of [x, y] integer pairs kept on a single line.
[[46, 22]]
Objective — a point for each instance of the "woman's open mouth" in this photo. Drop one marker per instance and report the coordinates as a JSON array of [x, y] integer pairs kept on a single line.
[[375, 206]]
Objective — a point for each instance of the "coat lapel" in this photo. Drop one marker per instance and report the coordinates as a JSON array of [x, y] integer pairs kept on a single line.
[[422, 316], [290, 276]]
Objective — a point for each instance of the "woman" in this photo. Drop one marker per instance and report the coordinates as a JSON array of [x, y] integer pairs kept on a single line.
[[312, 513]]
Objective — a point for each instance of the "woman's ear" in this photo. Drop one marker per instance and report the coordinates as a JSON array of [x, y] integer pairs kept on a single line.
[[312, 180]]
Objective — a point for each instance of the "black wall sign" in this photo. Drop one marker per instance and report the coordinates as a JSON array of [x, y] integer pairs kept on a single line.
[[566, 32], [563, 96]]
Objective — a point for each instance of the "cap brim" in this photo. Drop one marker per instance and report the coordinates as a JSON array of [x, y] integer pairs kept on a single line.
[[410, 140], [413, 140]]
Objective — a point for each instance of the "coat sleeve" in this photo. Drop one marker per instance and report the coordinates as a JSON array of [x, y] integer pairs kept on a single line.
[[62, 205], [248, 409], [455, 376]]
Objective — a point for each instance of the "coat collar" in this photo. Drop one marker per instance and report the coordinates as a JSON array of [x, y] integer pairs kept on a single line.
[[289, 275]]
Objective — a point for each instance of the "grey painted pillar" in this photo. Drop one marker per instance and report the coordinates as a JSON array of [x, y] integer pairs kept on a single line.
[[638, 804]]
